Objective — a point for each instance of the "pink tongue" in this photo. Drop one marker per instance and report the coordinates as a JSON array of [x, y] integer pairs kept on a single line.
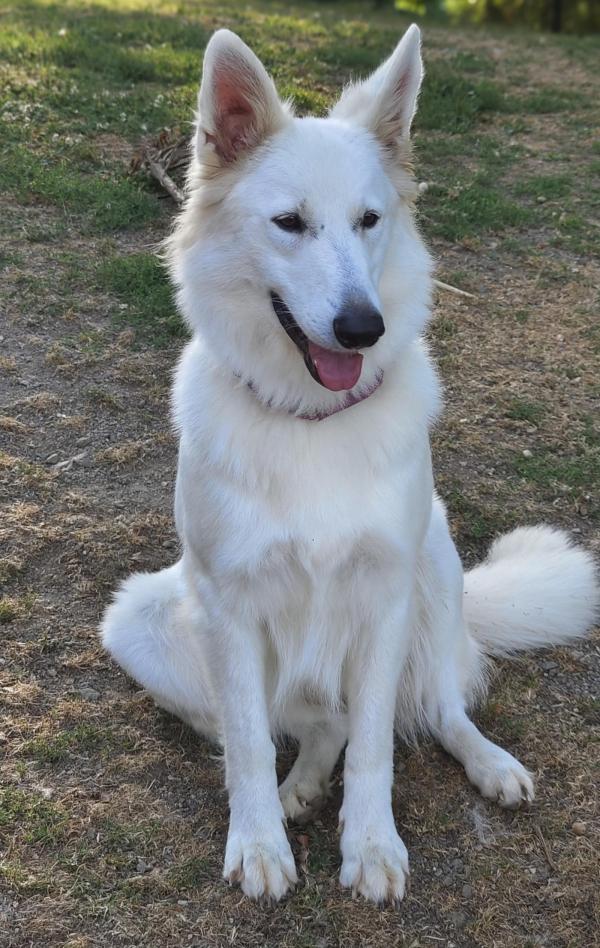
[[337, 370]]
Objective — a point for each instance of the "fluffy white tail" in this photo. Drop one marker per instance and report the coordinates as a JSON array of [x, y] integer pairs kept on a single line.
[[534, 589]]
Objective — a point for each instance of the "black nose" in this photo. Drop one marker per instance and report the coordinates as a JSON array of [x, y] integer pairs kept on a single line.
[[358, 325]]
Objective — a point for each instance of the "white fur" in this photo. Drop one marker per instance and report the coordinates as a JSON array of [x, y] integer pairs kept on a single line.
[[319, 593]]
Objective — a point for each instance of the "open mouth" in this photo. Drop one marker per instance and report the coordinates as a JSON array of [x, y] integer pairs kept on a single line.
[[337, 371]]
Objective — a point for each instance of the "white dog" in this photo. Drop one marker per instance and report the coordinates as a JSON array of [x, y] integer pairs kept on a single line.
[[319, 593]]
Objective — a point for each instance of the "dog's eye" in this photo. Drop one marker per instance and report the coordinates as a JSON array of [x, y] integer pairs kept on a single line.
[[292, 223], [369, 220]]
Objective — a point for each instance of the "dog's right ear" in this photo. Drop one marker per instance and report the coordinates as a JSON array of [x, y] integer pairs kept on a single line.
[[238, 103]]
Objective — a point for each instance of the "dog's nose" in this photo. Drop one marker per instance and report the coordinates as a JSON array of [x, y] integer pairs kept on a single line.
[[358, 325]]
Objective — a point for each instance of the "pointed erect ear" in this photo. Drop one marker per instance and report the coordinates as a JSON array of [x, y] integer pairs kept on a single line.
[[385, 102], [238, 104]]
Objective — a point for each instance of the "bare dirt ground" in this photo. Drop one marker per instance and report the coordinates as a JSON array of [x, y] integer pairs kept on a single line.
[[112, 814]]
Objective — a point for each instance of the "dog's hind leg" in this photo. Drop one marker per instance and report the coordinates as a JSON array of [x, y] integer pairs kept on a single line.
[[456, 668], [321, 740], [497, 774], [155, 633]]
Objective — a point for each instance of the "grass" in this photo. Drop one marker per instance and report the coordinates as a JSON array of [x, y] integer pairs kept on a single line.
[[8, 611], [38, 820], [549, 187], [474, 524], [521, 409], [113, 816], [105, 204], [578, 468], [141, 283], [472, 208], [83, 739], [551, 468]]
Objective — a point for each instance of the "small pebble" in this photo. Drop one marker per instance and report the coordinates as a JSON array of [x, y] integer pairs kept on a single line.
[[527, 453], [579, 828], [467, 891], [90, 694]]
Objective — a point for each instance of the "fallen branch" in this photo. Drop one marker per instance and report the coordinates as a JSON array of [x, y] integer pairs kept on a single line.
[[157, 171], [168, 152], [453, 289], [68, 464]]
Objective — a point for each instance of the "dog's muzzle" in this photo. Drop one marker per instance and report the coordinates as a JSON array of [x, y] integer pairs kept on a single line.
[[295, 333]]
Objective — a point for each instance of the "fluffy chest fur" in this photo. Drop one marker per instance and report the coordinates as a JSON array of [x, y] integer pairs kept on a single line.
[[304, 525]]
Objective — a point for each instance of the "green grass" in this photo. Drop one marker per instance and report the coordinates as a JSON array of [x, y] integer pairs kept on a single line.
[[452, 103], [32, 817], [551, 187], [553, 99], [472, 208], [521, 409], [191, 874], [140, 282], [105, 203], [8, 611], [476, 522], [579, 469], [84, 739], [549, 468]]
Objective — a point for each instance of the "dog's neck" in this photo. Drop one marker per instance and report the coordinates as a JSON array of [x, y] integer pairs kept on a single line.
[[322, 414]]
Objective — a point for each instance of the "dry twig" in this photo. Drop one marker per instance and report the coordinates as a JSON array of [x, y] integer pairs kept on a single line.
[[168, 152], [453, 289]]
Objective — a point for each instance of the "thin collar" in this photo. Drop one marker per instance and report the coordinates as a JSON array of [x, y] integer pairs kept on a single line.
[[348, 402]]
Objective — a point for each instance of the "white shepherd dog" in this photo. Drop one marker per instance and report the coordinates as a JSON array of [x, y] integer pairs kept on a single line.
[[320, 594]]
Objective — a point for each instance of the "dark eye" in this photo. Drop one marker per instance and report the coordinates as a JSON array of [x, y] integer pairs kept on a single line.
[[292, 223], [369, 220]]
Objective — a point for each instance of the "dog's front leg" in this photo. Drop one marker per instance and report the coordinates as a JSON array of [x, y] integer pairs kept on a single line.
[[258, 854], [374, 858]]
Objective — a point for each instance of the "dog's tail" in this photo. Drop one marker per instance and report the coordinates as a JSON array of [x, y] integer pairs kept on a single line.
[[535, 589]]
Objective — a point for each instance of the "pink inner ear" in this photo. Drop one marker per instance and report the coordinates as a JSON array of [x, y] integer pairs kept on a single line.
[[235, 118], [394, 121]]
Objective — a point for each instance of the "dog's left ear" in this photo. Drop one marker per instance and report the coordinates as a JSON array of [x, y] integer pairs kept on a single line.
[[385, 103]]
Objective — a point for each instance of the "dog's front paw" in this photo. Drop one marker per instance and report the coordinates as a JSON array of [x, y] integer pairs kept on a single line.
[[374, 864], [262, 862], [499, 776]]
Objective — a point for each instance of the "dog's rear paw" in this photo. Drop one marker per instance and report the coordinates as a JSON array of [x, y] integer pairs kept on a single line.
[[302, 799], [262, 863], [375, 866], [500, 777]]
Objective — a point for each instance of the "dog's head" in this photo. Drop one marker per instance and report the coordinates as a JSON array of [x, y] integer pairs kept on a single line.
[[296, 255]]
